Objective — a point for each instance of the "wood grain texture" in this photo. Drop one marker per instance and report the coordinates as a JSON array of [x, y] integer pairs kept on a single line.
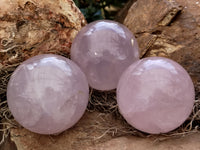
[[31, 27], [170, 29]]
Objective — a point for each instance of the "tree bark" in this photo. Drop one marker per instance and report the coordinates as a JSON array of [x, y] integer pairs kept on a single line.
[[169, 29], [31, 27]]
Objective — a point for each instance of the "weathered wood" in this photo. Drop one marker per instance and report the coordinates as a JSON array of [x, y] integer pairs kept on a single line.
[[134, 143], [123, 12], [170, 29], [145, 15], [31, 27]]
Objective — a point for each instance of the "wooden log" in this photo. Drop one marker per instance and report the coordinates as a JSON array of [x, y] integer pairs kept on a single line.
[[169, 29], [31, 27]]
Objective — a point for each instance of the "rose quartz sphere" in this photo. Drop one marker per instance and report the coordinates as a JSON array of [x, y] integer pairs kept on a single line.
[[103, 50], [155, 95], [47, 94]]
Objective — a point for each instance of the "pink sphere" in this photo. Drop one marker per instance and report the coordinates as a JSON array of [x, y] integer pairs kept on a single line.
[[155, 95], [103, 50], [47, 94]]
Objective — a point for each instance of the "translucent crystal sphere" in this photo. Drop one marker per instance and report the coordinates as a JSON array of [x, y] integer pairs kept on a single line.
[[103, 50], [155, 95], [47, 94]]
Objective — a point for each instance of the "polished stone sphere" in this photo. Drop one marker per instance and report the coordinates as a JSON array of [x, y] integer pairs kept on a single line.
[[47, 94], [155, 95], [103, 50]]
